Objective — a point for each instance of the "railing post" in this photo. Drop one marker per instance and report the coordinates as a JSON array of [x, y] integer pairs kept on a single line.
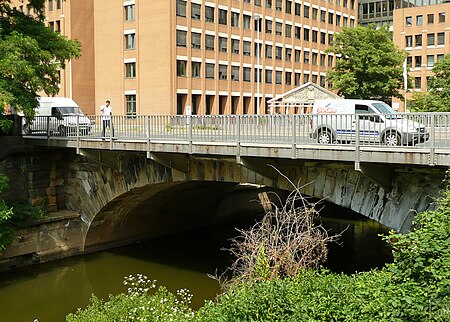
[[294, 150], [238, 139], [357, 145], [78, 134], [431, 156], [147, 123], [189, 120], [48, 126]]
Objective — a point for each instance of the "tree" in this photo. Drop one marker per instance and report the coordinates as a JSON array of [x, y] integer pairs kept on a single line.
[[368, 64], [437, 99], [31, 56]]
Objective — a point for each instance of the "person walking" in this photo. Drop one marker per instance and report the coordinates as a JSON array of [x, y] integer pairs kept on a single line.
[[106, 119]]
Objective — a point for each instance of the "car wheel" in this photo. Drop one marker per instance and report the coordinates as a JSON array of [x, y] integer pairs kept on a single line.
[[62, 130], [27, 129], [324, 137], [392, 139]]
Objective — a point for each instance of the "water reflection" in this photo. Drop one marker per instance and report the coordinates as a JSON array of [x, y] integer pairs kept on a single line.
[[50, 291]]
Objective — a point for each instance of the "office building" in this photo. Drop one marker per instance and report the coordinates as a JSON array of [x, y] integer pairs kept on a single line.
[[198, 57], [424, 32]]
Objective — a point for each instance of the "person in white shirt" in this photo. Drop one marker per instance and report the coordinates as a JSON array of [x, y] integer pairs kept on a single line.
[[106, 119]]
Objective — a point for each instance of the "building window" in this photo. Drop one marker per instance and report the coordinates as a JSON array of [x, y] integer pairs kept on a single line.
[[408, 41], [440, 38], [223, 16], [130, 102], [315, 12], [298, 32], [278, 28], [50, 5], [209, 42], [430, 60], [323, 38], [314, 79], [430, 40], [235, 73], [269, 51], [130, 70], [314, 59], [322, 81], [306, 34], [330, 61], [278, 5], [315, 36], [129, 12], [288, 78], [196, 67], [235, 19], [209, 71], [235, 46], [419, 20], [196, 40], [441, 17], [439, 57], [418, 40], [58, 4], [322, 59], [223, 44], [297, 9], [181, 38], [305, 78], [288, 5], [306, 57], [338, 20], [196, 11], [181, 8], [278, 77], [278, 53], [418, 61], [417, 82], [288, 31], [323, 15], [247, 48], [268, 26], [330, 18], [268, 76], [209, 14], [130, 41], [297, 55], [430, 18], [247, 22], [297, 78], [408, 21], [268, 4], [306, 11], [288, 54], [247, 74], [181, 68]]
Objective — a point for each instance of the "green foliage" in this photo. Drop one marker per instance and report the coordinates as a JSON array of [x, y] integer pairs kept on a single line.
[[415, 288], [437, 99], [5, 215], [13, 213], [138, 304], [31, 56], [369, 65]]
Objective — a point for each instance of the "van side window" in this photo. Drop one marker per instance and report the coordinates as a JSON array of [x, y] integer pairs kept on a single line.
[[362, 109], [54, 111]]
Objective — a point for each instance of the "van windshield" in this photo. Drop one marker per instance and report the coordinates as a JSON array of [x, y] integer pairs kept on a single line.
[[70, 111], [385, 109]]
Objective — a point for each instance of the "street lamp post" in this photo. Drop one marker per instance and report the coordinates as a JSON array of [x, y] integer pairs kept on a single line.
[[257, 18]]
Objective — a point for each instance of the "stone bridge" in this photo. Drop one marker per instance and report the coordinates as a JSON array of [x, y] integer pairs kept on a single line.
[[123, 196]]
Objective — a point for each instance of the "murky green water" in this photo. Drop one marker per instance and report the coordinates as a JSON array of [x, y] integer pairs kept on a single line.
[[50, 291]]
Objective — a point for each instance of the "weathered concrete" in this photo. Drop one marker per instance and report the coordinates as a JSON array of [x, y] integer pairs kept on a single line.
[[123, 196]]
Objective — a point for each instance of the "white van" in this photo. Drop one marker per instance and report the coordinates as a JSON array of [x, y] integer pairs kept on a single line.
[[338, 119], [58, 116]]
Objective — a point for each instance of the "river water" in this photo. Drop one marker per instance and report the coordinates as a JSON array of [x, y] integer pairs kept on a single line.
[[48, 292]]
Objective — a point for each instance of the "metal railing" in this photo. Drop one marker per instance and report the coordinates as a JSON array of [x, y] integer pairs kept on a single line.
[[415, 130]]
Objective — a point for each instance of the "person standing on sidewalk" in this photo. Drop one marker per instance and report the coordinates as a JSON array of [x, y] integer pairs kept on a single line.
[[106, 111]]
